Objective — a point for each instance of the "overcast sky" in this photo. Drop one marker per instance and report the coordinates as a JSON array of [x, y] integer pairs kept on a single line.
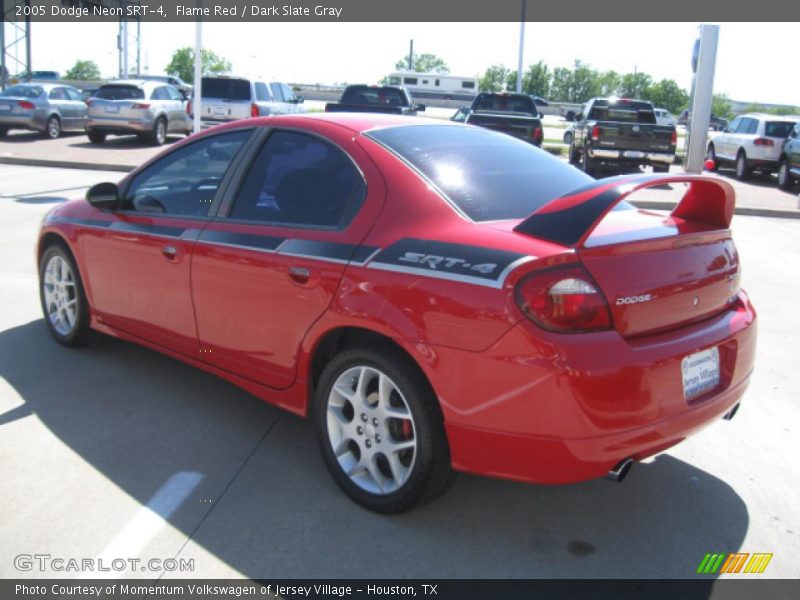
[[751, 61]]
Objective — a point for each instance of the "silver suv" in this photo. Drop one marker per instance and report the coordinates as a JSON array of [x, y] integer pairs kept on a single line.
[[228, 98], [149, 109], [751, 142]]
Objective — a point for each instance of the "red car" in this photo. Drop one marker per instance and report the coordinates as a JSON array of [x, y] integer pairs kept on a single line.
[[437, 297]]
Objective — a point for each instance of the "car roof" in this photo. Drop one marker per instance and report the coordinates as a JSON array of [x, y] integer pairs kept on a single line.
[[136, 82], [45, 86], [355, 122], [768, 117]]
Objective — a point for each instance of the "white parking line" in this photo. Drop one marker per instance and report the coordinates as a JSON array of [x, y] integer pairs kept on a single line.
[[147, 523]]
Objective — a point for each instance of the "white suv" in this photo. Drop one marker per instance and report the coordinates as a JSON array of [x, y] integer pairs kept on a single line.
[[664, 117], [751, 142]]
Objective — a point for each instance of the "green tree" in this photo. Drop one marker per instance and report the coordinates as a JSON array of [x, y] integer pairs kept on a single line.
[[83, 70], [561, 86], [667, 94], [584, 82], [494, 79], [721, 106], [182, 64], [608, 83], [536, 80], [424, 63], [635, 85]]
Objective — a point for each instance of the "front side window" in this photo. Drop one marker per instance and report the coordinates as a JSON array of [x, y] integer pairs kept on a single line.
[[160, 93], [58, 94], [288, 94], [276, 91], [300, 181], [185, 181]]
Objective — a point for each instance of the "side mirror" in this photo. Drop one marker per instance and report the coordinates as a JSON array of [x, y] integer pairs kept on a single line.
[[299, 100], [419, 107], [103, 195]]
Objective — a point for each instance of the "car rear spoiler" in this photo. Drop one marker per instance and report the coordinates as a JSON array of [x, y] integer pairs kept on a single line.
[[570, 219]]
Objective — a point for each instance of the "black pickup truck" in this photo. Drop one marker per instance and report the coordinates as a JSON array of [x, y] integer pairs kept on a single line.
[[621, 132], [388, 99], [514, 114]]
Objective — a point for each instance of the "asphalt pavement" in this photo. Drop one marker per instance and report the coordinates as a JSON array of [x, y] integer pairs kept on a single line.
[[117, 451]]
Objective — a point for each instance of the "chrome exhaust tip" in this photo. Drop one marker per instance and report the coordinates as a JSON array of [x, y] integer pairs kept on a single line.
[[732, 412], [621, 471]]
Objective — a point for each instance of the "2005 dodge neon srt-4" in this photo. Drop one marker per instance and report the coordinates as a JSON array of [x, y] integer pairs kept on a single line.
[[438, 297]]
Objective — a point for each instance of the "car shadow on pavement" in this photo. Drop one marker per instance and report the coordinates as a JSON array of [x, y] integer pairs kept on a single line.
[[125, 142], [267, 508], [27, 137]]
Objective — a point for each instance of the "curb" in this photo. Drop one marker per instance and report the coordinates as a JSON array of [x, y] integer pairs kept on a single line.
[[748, 211], [65, 164]]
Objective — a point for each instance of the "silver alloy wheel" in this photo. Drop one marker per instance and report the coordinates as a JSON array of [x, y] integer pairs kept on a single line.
[[741, 165], [161, 131], [60, 295], [53, 127], [371, 430]]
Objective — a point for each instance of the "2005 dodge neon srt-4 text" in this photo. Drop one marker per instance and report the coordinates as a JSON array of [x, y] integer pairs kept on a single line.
[[437, 297]]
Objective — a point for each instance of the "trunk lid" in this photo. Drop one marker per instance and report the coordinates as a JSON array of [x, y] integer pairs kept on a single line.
[[520, 126], [226, 99], [633, 136]]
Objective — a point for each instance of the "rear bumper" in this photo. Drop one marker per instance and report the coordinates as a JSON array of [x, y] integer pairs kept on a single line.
[[31, 122], [635, 156], [552, 408], [119, 126]]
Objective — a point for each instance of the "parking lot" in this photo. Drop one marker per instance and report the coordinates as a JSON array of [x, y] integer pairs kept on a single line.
[[117, 451]]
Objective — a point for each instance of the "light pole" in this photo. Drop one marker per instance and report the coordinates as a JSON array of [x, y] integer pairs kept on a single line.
[[521, 47]]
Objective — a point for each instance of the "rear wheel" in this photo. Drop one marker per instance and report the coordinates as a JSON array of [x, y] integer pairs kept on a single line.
[[742, 170], [64, 305], [712, 156], [573, 157], [380, 430], [784, 177], [96, 137], [53, 128], [159, 134], [660, 168]]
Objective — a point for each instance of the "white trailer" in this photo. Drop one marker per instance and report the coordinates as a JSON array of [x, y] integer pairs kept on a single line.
[[435, 85]]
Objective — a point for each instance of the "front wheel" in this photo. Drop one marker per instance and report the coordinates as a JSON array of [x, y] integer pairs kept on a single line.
[[784, 177], [568, 137], [66, 311], [380, 430]]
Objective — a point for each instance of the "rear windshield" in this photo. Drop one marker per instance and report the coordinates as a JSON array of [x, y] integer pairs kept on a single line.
[[505, 103], [119, 92], [778, 129], [227, 89], [23, 91], [489, 176], [625, 112], [374, 95]]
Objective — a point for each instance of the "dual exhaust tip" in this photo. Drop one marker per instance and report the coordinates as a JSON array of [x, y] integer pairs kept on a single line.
[[620, 472]]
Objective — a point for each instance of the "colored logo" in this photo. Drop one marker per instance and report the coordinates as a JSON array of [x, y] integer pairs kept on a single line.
[[735, 562]]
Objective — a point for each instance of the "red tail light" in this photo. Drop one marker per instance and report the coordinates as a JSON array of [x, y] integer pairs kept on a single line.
[[764, 142], [141, 105], [537, 134], [596, 132], [563, 299], [674, 138], [189, 108], [26, 105], [254, 110], [88, 101]]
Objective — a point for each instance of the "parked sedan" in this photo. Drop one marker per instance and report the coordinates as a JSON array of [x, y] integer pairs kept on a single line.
[[151, 110], [49, 109], [435, 296]]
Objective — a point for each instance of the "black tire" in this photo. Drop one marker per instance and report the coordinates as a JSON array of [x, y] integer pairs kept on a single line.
[[588, 163], [567, 137], [429, 473], [742, 170], [660, 168], [75, 333], [573, 156], [784, 176], [159, 134], [52, 129], [3, 132], [96, 137], [711, 154]]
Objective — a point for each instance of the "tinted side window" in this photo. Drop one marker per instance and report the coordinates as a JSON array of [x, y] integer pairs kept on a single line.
[[262, 93], [73, 94], [288, 94], [301, 181], [173, 93], [185, 181], [159, 94]]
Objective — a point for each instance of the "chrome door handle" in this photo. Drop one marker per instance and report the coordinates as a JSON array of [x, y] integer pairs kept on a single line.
[[169, 251], [299, 274]]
